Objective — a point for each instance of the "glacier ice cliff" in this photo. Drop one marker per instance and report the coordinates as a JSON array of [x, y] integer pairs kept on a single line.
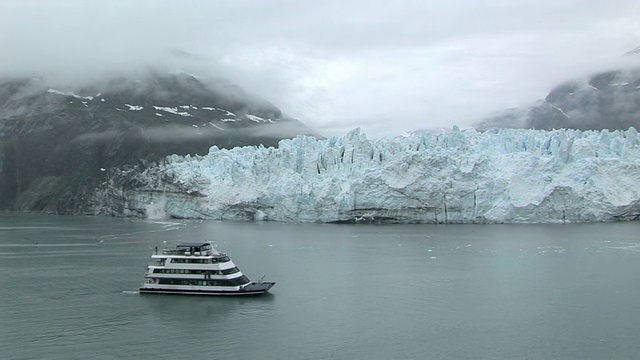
[[503, 176]]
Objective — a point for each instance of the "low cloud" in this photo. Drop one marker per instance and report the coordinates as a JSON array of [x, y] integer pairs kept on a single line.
[[385, 67]]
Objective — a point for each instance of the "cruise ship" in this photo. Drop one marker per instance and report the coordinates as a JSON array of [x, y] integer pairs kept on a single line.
[[197, 269]]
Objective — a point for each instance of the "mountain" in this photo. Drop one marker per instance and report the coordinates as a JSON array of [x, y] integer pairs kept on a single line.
[[634, 52], [607, 100], [505, 176], [58, 143]]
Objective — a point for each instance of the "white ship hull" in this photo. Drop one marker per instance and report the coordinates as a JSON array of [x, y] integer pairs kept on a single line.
[[251, 289]]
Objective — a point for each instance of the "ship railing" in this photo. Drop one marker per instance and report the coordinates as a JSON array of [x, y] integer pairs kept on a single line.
[[185, 252], [174, 251]]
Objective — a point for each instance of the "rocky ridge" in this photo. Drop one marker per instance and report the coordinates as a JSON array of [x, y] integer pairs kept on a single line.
[[57, 144]]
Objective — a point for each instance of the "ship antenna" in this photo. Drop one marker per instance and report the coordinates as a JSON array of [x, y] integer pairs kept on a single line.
[[262, 278]]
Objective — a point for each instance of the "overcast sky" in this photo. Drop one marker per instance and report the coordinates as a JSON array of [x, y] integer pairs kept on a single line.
[[385, 66]]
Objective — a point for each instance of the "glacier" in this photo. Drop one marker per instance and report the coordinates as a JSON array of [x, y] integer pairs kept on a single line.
[[461, 176]]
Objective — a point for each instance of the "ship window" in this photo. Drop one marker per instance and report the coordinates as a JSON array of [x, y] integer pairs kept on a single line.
[[229, 282], [220, 260], [239, 280], [190, 261], [230, 271], [219, 282]]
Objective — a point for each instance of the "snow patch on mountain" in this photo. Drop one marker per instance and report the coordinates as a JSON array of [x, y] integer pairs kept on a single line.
[[72, 94], [227, 112], [215, 126], [172, 110], [134, 107], [255, 118], [561, 111]]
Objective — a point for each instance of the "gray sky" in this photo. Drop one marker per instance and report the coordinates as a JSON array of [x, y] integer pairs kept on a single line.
[[385, 66]]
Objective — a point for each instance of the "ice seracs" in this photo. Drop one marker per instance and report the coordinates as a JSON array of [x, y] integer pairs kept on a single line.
[[505, 176]]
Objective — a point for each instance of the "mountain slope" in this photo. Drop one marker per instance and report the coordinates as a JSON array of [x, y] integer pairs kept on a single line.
[[609, 100], [56, 144]]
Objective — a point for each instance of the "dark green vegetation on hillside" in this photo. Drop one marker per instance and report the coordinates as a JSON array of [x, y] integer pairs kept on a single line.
[[57, 145]]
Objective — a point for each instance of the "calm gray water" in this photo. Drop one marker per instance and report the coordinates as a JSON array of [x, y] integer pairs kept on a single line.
[[67, 291]]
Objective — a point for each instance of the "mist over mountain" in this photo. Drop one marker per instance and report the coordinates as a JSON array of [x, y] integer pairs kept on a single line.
[[57, 143], [606, 100]]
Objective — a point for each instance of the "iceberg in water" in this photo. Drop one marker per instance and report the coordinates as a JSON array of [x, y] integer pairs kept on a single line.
[[505, 176]]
